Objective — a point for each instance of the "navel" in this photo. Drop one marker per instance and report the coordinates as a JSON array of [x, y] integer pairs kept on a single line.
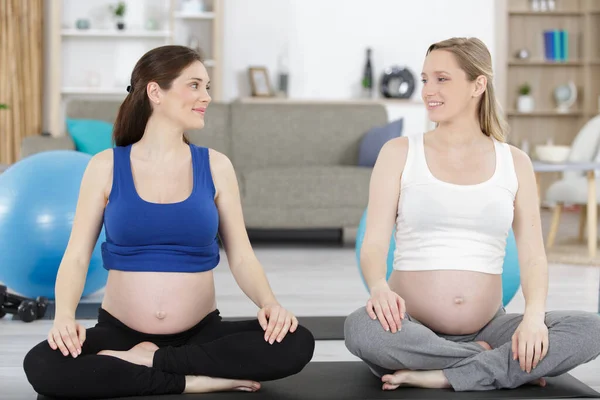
[[459, 300], [161, 314]]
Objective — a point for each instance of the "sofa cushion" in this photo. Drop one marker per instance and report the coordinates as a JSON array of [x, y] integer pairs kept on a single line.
[[89, 135], [374, 140], [307, 187], [292, 218], [291, 133]]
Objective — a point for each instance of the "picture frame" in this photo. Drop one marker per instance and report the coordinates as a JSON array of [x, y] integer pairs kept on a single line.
[[259, 82]]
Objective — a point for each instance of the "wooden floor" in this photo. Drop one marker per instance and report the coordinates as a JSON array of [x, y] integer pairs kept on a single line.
[[312, 280]]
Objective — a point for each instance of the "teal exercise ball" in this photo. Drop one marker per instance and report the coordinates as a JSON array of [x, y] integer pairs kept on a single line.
[[511, 279], [38, 198]]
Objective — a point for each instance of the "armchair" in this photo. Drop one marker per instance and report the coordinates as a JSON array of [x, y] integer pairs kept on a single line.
[[573, 187]]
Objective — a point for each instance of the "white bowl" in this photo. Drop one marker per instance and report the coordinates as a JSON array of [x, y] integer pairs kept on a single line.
[[552, 153]]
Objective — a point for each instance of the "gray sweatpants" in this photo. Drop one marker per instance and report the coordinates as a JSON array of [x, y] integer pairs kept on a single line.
[[574, 339]]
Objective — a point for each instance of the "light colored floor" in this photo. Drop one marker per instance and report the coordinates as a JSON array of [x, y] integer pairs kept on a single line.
[[310, 280]]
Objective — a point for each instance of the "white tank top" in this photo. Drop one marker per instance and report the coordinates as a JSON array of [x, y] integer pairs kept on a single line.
[[443, 226]]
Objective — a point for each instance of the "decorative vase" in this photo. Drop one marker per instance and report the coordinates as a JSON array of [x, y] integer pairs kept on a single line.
[[120, 23], [82, 24], [525, 104]]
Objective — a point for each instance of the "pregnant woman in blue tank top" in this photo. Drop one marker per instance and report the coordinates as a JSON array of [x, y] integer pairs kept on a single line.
[[164, 203]]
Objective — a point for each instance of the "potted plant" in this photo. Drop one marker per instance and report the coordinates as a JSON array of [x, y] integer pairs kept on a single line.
[[525, 103], [119, 12]]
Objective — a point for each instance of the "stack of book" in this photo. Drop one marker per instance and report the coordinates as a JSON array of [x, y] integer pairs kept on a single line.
[[556, 45]]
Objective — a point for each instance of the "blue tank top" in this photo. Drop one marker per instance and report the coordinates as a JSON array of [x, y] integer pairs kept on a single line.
[[173, 237]]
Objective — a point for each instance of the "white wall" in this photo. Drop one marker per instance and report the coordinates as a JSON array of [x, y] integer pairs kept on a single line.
[[254, 33], [327, 41]]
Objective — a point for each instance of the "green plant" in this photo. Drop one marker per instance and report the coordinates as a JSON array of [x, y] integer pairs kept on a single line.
[[120, 9], [3, 106], [525, 89]]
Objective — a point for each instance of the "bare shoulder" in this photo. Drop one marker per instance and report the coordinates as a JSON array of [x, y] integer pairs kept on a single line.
[[521, 160], [394, 150], [223, 173], [103, 159], [99, 171], [100, 166], [392, 155], [219, 163]]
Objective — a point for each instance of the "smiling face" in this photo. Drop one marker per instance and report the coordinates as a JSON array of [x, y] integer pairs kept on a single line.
[[185, 102], [447, 92]]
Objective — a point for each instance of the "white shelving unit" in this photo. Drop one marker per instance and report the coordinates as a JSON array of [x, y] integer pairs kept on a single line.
[[114, 33], [97, 62]]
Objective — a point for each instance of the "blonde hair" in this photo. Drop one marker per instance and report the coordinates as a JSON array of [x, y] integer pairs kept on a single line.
[[474, 58]]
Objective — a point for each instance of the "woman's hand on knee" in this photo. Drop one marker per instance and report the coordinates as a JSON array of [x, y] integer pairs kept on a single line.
[[276, 321], [67, 335], [387, 306], [530, 342]]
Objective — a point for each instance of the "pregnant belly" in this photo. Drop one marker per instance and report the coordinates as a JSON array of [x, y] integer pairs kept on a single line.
[[449, 302], [159, 302]]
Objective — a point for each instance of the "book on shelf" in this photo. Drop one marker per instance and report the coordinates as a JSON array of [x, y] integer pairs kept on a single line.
[[556, 45]]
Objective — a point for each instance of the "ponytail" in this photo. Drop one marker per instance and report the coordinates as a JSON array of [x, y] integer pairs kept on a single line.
[[132, 118], [491, 118]]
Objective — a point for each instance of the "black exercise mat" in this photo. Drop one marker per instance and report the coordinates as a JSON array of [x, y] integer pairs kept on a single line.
[[354, 381], [322, 328]]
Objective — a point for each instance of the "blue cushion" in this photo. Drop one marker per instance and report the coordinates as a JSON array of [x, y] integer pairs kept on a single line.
[[374, 140], [90, 136]]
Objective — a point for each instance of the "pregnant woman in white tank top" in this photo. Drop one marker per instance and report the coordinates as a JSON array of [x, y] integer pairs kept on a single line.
[[453, 194]]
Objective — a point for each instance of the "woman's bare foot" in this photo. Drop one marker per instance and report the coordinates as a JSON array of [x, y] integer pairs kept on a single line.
[[485, 345], [538, 382], [206, 384], [141, 354], [425, 379]]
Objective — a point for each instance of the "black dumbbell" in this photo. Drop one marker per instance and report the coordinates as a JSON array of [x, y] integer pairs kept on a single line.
[[28, 310], [2, 300], [2, 294], [42, 306]]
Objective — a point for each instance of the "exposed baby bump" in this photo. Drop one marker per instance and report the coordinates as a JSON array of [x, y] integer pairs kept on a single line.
[[159, 302], [451, 302]]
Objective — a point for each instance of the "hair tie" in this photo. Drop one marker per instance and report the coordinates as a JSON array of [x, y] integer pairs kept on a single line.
[[129, 89]]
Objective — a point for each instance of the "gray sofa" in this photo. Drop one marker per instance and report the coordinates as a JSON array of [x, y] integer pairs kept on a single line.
[[296, 162]]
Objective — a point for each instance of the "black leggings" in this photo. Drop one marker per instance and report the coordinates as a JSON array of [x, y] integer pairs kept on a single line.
[[216, 348]]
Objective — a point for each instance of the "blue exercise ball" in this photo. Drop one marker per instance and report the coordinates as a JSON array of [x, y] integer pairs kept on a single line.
[[38, 198], [511, 278]]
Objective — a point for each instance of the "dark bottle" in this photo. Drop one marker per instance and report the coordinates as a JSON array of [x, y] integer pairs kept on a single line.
[[367, 80]]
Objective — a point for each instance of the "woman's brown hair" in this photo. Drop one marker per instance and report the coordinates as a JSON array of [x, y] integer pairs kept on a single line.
[[161, 65]]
